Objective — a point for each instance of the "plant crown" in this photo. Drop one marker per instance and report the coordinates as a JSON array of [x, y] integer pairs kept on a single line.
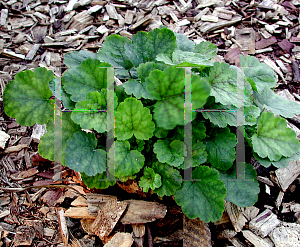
[[149, 118]]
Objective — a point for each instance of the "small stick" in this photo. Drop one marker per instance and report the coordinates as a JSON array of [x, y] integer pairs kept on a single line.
[[150, 242], [296, 71]]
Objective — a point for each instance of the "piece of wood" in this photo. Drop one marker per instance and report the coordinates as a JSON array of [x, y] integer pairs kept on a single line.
[[263, 43], [286, 45], [250, 212], [142, 22], [275, 68], [112, 12], [4, 14], [256, 240], [24, 236], [87, 224], [138, 234], [32, 52], [38, 131], [79, 213], [80, 201], [108, 216], [143, 212], [37, 226], [238, 220], [3, 139], [120, 239], [81, 20], [285, 236], [129, 16], [246, 38], [264, 223], [233, 56], [296, 72], [196, 233], [287, 175], [282, 66], [15, 148], [211, 26], [209, 18], [63, 228], [98, 201]]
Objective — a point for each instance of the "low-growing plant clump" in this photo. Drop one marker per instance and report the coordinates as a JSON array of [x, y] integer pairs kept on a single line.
[[150, 120]]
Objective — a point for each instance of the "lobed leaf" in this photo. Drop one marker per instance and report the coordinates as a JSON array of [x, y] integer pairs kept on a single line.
[[171, 153], [88, 77], [127, 163], [74, 59], [145, 46], [137, 89], [131, 118], [27, 98], [273, 138], [203, 198], [171, 179], [47, 142], [260, 73], [82, 155], [91, 113], [150, 180], [221, 148], [243, 193], [97, 181]]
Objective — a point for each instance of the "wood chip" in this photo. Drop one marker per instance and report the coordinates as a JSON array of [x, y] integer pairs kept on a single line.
[[63, 228], [32, 52], [3, 139], [264, 223], [12, 54], [15, 148], [24, 236], [246, 38], [206, 3], [209, 26], [108, 216], [81, 20], [142, 22], [284, 236], [256, 240], [120, 239], [143, 212], [97, 201], [4, 14], [129, 16], [79, 213], [263, 43], [282, 66], [237, 218], [287, 175], [210, 18], [112, 12], [286, 45]]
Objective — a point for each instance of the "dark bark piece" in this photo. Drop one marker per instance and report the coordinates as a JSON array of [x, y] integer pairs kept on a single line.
[[196, 233], [233, 56], [286, 45], [265, 43], [143, 212], [24, 236], [108, 216], [296, 71], [37, 225], [138, 234]]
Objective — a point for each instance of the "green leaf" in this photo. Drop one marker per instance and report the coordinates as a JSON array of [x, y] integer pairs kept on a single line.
[[207, 49], [46, 146], [91, 113], [75, 58], [145, 46], [273, 138], [223, 82], [199, 156], [277, 104], [185, 59], [27, 97], [282, 163], [260, 73], [168, 88], [137, 89], [203, 198], [113, 51], [161, 132], [183, 43], [227, 115], [127, 162], [82, 155], [150, 180], [221, 148], [171, 179], [66, 99], [242, 193], [96, 181], [88, 77], [198, 132], [144, 70], [171, 153], [132, 118]]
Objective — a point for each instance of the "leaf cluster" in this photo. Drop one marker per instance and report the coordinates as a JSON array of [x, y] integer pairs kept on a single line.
[[145, 117]]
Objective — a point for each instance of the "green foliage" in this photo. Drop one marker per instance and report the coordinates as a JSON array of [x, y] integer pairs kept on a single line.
[[151, 132]]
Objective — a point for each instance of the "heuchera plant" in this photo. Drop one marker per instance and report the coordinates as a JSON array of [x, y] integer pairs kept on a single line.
[[149, 111]]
